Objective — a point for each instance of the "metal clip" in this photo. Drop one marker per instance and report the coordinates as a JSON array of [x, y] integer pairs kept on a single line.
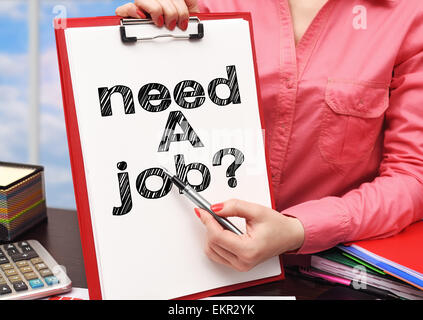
[[132, 22]]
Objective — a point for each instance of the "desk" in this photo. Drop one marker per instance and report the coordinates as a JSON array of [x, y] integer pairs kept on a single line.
[[60, 236]]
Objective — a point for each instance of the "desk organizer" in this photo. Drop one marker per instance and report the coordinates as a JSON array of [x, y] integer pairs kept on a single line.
[[22, 199]]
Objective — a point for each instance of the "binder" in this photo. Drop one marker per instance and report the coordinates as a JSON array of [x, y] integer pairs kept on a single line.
[[334, 262], [102, 282], [399, 255]]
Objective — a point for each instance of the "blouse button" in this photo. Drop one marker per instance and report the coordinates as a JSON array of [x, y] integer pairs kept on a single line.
[[289, 82], [361, 106]]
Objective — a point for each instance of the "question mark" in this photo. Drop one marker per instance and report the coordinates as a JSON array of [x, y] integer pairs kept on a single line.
[[230, 173]]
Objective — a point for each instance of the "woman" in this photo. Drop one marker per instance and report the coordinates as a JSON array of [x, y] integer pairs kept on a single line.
[[342, 90]]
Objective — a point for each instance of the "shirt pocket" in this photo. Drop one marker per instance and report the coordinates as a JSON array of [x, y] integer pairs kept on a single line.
[[352, 119]]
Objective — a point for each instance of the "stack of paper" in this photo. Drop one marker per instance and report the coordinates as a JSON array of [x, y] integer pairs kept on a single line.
[[400, 256], [394, 264], [22, 199], [335, 262]]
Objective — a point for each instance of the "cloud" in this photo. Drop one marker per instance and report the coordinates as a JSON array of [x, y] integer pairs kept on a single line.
[[13, 123], [57, 174], [59, 188], [13, 9], [59, 9], [12, 141], [17, 9], [14, 108], [13, 102], [53, 135], [71, 8], [50, 94], [14, 117], [13, 65]]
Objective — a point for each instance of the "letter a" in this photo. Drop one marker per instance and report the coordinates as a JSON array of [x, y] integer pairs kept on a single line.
[[177, 117], [360, 20]]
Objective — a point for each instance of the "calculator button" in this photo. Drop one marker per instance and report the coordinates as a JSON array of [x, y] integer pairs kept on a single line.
[[12, 252], [2, 280], [6, 266], [4, 289], [3, 260], [8, 247], [20, 286], [10, 272], [11, 249], [40, 266], [31, 254], [22, 263], [51, 280], [36, 283], [24, 256], [14, 279], [45, 272], [36, 261], [17, 257], [27, 249], [25, 269], [23, 244], [30, 276], [1, 254]]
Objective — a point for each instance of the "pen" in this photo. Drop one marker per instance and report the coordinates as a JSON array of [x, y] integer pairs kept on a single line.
[[326, 277], [368, 288], [196, 198]]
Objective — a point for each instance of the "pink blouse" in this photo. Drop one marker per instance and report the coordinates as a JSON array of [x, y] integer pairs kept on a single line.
[[343, 113]]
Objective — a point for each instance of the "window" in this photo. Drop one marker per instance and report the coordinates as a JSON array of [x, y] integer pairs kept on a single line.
[[15, 98]]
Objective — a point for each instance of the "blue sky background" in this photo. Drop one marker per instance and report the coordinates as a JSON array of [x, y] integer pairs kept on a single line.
[[14, 108]]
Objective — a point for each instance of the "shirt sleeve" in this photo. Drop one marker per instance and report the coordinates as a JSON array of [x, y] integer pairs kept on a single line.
[[393, 200]]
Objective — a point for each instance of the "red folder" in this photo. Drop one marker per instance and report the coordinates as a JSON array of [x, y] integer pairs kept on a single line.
[[404, 249], [76, 157]]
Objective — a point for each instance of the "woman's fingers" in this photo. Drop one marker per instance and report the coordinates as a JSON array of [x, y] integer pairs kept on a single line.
[[225, 254], [153, 8], [130, 10], [238, 208], [229, 259], [226, 247], [183, 13], [215, 257], [217, 235], [170, 13]]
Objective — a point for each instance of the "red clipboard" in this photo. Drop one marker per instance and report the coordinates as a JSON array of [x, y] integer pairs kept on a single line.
[[76, 156]]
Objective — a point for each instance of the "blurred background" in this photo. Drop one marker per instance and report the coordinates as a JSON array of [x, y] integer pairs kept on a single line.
[[32, 127]]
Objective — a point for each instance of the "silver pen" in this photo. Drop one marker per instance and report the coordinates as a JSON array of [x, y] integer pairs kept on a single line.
[[202, 203]]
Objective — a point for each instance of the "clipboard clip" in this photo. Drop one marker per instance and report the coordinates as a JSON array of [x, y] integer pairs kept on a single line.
[[131, 22]]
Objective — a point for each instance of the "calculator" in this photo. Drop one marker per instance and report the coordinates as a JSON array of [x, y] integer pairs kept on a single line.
[[28, 271]]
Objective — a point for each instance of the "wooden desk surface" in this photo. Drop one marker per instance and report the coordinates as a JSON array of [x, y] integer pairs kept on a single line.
[[60, 236]]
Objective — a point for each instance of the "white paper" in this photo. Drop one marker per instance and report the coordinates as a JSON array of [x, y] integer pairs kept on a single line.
[[156, 250], [75, 294], [9, 175]]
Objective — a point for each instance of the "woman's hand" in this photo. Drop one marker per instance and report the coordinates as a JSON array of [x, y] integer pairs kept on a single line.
[[163, 12], [269, 233]]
